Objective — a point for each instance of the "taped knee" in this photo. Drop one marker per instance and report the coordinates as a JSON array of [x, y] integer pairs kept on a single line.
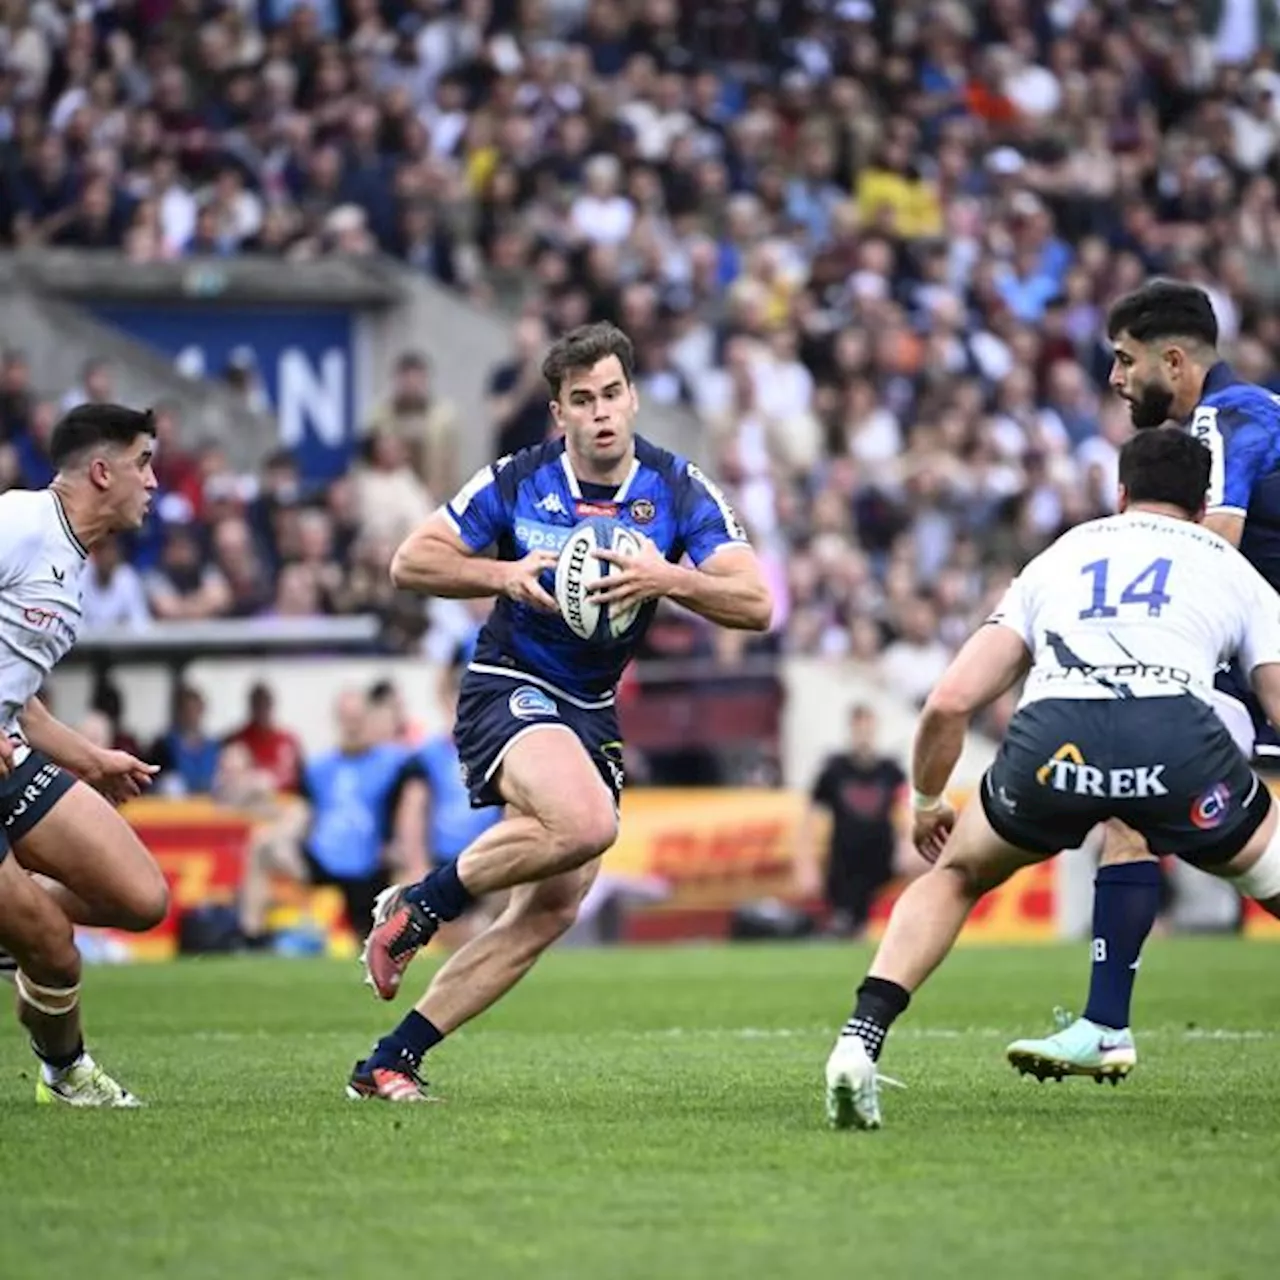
[[57, 1002], [1262, 880]]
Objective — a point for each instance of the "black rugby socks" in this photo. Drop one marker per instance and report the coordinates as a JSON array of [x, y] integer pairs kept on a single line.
[[879, 1003], [442, 893]]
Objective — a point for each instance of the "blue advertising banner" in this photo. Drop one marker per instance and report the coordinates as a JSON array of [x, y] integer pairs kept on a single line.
[[301, 362]]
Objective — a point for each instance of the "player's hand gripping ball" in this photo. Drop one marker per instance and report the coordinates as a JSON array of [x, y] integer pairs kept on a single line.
[[579, 569]]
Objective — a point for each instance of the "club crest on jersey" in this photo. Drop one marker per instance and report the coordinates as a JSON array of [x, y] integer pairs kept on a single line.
[[1211, 809], [528, 703], [643, 511], [584, 508]]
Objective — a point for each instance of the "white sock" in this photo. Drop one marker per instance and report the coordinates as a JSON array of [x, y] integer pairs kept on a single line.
[[51, 1075]]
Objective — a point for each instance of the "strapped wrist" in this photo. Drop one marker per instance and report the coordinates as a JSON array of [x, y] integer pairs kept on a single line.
[[922, 803]]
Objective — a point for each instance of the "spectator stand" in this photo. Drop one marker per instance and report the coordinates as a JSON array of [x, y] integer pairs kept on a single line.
[[175, 645]]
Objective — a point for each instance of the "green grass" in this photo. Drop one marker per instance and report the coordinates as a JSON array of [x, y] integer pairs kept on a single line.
[[655, 1113]]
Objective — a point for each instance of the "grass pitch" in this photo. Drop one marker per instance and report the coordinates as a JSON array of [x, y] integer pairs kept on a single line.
[[655, 1113]]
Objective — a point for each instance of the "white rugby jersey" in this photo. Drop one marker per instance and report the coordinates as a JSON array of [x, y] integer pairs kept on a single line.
[[1139, 606], [41, 563]]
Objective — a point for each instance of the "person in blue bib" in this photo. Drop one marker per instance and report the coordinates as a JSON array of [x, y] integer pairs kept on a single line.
[[348, 793], [434, 819], [537, 729]]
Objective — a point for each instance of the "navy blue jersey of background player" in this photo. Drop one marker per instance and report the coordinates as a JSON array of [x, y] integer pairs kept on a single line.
[[1240, 423], [531, 500]]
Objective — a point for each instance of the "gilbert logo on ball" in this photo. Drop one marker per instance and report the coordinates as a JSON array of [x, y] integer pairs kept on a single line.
[[578, 570]]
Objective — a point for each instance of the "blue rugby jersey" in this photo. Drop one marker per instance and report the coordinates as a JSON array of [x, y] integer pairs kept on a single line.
[[530, 501], [1240, 423]]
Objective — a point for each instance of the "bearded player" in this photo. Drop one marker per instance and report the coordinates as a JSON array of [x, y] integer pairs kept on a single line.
[[1167, 367], [1118, 627], [537, 729]]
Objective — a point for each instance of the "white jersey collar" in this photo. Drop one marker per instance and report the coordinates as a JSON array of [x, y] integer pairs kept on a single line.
[[81, 550]]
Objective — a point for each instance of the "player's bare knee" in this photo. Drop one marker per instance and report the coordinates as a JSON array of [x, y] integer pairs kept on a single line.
[[582, 832], [970, 879], [147, 903]]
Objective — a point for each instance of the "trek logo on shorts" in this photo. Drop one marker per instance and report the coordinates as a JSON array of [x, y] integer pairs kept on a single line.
[[39, 784], [1068, 751], [528, 703], [1067, 771], [1211, 809]]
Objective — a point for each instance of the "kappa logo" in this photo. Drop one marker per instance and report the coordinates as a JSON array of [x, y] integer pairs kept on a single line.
[[552, 504], [1211, 809], [528, 703]]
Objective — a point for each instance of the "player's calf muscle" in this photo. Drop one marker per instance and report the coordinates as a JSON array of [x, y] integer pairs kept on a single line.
[[37, 933]]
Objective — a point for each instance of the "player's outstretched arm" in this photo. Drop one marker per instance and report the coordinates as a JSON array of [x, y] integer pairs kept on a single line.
[[435, 561], [991, 662], [117, 774], [727, 588]]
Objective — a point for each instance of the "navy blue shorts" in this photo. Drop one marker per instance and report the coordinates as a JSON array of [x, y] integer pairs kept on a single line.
[[1266, 741], [494, 711], [29, 792], [1167, 767]]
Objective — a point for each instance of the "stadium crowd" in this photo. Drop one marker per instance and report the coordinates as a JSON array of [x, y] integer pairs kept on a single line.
[[869, 245]]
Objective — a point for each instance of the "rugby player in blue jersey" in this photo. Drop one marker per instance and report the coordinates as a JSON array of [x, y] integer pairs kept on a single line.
[[537, 729], [1167, 367]]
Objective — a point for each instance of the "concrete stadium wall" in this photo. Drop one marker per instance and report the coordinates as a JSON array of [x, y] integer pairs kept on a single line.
[[819, 694], [397, 309], [58, 337]]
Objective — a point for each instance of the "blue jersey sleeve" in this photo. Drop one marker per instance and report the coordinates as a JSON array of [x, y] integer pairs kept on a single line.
[[479, 513], [1242, 451], [707, 521]]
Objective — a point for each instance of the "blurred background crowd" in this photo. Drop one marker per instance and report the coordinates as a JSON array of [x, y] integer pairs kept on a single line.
[[868, 245]]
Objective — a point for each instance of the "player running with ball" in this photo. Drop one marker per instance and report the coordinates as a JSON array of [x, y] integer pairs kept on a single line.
[[536, 728]]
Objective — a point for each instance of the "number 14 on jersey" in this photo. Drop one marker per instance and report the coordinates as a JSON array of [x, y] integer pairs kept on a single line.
[[1147, 588]]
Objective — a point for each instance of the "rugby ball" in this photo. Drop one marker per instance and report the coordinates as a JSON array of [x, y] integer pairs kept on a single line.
[[578, 569]]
